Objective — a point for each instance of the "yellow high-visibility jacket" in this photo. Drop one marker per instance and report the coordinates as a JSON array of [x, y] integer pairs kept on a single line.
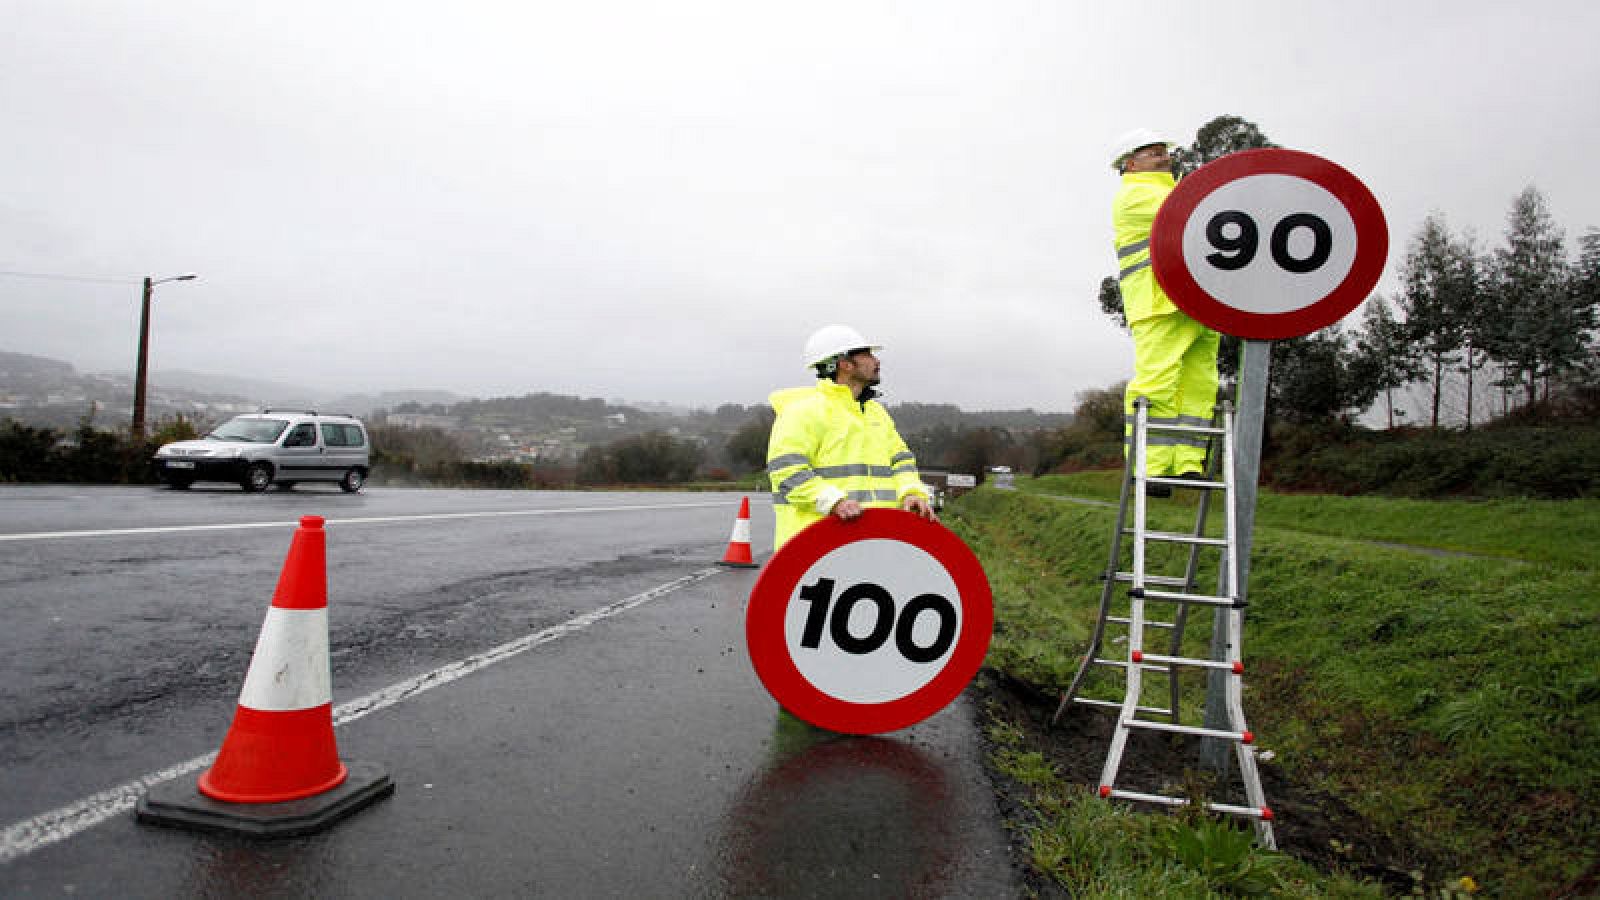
[[825, 447], [1133, 213]]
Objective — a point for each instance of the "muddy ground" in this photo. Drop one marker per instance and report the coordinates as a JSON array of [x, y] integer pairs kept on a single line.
[[1308, 824]]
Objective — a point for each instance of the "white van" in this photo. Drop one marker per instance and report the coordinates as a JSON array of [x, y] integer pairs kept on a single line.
[[258, 450]]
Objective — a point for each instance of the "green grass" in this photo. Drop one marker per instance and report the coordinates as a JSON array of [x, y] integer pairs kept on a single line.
[[1453, 701], [1564, 532]]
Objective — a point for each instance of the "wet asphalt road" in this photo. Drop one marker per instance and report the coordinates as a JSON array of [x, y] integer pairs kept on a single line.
[[633, 753]]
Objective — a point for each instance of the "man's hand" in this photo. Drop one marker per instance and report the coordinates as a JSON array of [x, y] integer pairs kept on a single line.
[[918, 504], [846, 509]]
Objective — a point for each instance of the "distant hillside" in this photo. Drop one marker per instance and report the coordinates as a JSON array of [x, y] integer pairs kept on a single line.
[[366, 404], [272, 393], [39, 390], [535, 408], [541, 409], [911, 417], [22, 365]]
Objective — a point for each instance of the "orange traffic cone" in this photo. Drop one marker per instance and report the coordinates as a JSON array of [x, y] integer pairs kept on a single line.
[[280, 747], [739, 542]]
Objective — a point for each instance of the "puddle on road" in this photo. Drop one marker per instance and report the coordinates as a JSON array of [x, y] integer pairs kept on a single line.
[[841, 816]]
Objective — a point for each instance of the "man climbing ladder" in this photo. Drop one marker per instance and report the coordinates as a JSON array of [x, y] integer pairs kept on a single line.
[[1174, 357]]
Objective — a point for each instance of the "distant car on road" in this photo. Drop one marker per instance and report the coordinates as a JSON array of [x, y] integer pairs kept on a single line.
[[258, 450]]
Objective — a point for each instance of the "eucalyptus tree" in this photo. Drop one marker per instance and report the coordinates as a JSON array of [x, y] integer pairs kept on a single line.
[[1439, 299], [1541, 324], [1477, 309], [1586, 287], [1383, 358]]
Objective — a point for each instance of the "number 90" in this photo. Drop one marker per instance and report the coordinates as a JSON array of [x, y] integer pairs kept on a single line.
[[1237, 238]]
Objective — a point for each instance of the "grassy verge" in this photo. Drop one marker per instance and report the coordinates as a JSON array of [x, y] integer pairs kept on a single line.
[[1452, 703], [1564, 532]]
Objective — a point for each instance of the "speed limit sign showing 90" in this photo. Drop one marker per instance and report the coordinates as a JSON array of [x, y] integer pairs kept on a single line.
[[1269, 244], [871, 625]]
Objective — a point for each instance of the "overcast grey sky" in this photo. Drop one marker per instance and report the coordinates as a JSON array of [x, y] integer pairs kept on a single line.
[[658, 201]]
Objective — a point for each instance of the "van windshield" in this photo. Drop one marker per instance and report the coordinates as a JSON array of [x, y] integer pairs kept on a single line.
[[254, 431]]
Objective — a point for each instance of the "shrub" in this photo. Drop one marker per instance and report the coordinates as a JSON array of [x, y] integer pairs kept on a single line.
[[25, 451], [1527, 461]]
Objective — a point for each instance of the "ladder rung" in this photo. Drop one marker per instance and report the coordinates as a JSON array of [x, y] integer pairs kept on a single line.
[[1162, 799], [1235, 666], [1188, 483], [1173, 428], [1123, 621], [1244, 737], [1181, 538], [1253, 812], [1163, 580], [1176, 597], [1123, 664], [1117, 704]]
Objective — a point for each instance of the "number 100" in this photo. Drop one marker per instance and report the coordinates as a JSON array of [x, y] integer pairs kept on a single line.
[[824, 607]]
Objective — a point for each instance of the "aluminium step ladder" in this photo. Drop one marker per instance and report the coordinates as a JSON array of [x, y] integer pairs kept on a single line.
[[1133, 713]]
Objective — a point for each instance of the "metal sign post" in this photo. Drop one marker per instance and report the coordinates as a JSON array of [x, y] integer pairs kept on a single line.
[[1255, 359]]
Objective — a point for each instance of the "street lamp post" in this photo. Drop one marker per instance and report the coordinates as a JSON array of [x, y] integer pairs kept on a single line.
[[144, 351]]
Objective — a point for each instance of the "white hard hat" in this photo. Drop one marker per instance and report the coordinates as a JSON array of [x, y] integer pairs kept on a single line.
[[1133, 140], [832, 340]]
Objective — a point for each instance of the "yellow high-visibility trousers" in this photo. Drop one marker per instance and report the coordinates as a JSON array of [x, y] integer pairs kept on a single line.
[[1175, 368]]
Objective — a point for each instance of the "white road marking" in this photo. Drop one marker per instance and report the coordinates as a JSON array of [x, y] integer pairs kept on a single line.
[[371, 520], [21, 838]]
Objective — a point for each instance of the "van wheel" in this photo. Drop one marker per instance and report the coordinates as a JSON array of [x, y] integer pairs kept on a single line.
[[286, 485], [352, 481], [179, 484], [256, 478]]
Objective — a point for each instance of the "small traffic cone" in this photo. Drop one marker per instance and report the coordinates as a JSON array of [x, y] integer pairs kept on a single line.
[[278, 772], [739, 542]]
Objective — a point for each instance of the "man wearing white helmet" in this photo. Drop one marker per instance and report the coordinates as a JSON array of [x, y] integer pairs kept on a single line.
[[834, 450], [1174, 357]]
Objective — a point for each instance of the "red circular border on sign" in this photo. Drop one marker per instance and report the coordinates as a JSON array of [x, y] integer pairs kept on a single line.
[[775, 589], [1166, 244]]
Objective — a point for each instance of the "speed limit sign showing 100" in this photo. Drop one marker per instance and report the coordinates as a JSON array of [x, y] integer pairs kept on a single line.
[[871, 625], [1269, 244]]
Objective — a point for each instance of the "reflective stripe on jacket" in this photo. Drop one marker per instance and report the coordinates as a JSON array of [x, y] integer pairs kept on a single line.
[[1133, 212], [825, 447]]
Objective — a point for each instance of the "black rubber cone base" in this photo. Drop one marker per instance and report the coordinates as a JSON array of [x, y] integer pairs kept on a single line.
[[179, 804]]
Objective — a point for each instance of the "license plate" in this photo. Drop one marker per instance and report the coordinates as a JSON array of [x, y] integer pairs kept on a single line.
[[179, 464]]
